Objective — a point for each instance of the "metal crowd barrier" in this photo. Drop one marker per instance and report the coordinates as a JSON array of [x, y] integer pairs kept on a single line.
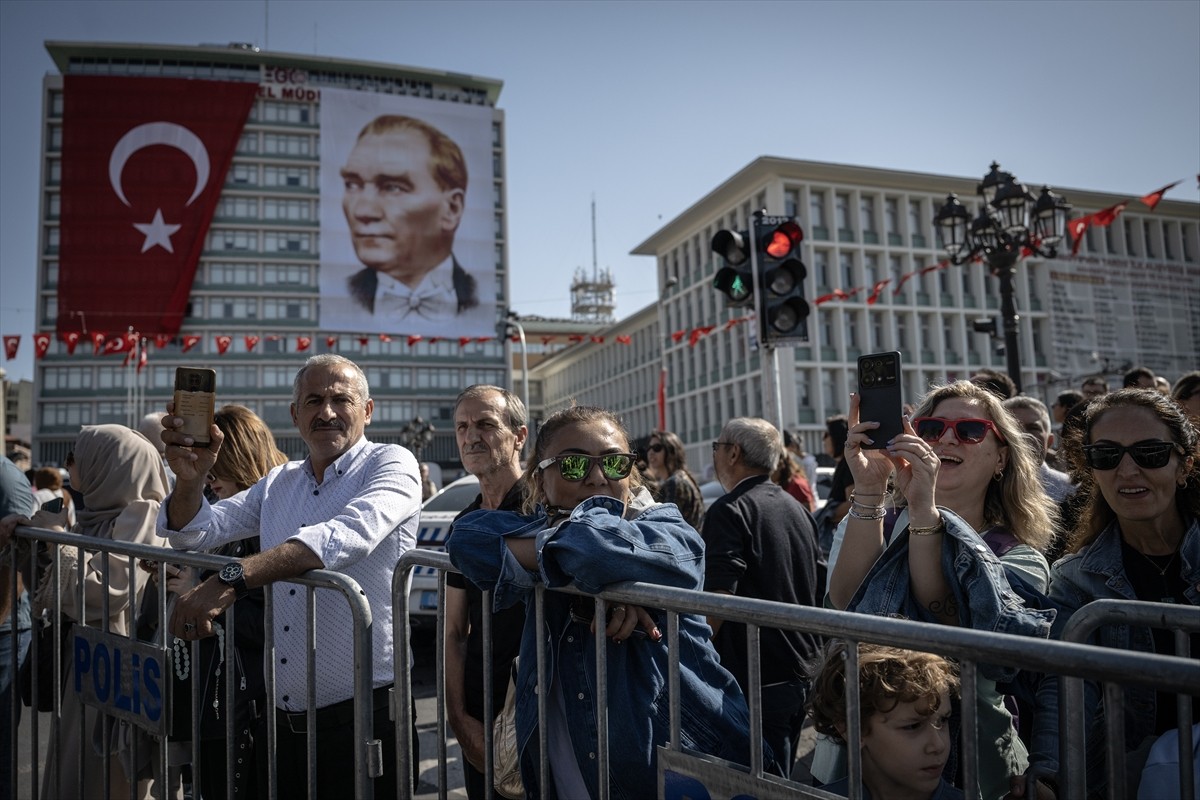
[[1182, 620], [153, 665], [969, 648]]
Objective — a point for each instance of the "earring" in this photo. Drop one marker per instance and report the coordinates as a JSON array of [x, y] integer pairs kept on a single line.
[[998, 476]]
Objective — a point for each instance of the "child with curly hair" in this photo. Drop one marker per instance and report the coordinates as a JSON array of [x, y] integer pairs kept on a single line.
[[904, 713]]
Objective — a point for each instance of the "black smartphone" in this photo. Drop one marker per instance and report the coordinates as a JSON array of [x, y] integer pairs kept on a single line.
[[54, 506], [195, 402], [879, 396]]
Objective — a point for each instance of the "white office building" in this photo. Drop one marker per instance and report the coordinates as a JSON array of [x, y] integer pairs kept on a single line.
[[259, 272], [1130, 296]]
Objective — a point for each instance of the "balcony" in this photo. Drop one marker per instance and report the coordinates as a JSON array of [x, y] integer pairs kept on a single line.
[[870, 237], [820, 232], [845, 235], [895, 240]]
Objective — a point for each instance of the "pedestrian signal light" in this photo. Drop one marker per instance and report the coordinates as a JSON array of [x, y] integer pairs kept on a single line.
[[733, 278]]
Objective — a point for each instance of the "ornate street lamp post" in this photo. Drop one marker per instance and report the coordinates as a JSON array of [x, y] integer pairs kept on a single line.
[[416, 435], [1009, 221]]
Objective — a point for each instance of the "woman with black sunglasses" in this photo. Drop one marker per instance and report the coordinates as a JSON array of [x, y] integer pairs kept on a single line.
[[666, 462], [589, 522], [1138, 538], [964, 478]]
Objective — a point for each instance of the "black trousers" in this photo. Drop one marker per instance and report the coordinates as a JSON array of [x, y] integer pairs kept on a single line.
[[335, 751]]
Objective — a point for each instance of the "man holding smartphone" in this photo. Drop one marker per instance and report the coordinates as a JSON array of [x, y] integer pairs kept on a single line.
[[352, 506]]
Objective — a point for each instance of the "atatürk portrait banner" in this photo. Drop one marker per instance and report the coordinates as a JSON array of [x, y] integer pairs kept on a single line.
[[407, 216]]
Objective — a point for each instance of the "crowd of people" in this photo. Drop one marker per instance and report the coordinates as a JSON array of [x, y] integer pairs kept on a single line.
[[985, 494]]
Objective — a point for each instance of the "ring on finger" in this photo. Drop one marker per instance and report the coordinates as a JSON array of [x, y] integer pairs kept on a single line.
[[188, 627]]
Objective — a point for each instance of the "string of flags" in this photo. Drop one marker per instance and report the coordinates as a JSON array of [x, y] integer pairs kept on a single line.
[[136, 348]]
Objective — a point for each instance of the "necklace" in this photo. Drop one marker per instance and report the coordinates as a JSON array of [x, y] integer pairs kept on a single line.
[[1162, 571]]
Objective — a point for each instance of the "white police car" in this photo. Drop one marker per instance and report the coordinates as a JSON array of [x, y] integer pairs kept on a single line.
[[436, 515]]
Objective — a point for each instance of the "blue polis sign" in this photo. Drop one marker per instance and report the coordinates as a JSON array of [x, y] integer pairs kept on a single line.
[[121, 677]]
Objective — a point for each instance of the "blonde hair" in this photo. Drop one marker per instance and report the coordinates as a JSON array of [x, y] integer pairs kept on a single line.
[[248, 452], [1017, 500], [573, 415]]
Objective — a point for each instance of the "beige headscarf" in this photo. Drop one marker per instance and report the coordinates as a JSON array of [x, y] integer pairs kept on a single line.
[[120, 473], [123, 483]]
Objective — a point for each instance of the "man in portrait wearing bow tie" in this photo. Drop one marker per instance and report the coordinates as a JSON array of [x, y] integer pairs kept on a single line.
[[405, 185]]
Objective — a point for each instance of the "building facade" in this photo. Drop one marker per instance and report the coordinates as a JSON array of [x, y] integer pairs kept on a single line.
[[260, 271], [1131, 295]]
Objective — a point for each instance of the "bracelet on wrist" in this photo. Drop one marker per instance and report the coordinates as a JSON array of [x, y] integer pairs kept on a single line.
[[873, 517], [865, 506], [865, 494], [927, 530]]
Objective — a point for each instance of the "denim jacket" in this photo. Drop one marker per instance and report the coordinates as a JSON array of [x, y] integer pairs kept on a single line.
[[597, 546], [1094, 573], [986, 600]]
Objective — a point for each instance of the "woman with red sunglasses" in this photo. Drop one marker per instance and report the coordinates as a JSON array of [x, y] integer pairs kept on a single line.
[[1138, 538], [962, 472]]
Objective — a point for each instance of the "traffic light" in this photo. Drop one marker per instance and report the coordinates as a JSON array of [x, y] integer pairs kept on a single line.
[[734, 279], [782, 309]]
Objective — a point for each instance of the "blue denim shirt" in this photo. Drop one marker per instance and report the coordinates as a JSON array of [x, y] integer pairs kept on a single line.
[[1097, 572], [597, 546], [986, 600]]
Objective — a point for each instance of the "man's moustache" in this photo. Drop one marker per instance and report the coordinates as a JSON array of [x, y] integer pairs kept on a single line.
[[327, 426]]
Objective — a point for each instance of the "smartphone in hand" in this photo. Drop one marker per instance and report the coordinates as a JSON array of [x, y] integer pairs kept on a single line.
[[54, 506], [879, 396], [195, 402]]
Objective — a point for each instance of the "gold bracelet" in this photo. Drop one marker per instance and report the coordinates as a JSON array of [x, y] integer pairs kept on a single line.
[[930, 530], [872, 517]]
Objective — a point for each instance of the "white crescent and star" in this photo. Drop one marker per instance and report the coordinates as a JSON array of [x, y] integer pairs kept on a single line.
[[157, 231]]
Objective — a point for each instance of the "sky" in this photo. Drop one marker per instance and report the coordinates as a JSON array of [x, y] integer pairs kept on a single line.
[[648, 106]]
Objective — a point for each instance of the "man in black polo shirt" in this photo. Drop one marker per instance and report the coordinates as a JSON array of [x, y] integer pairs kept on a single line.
[[761, 543], [489, 425]]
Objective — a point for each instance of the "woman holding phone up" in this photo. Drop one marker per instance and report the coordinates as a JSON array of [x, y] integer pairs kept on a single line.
[[967, 482]]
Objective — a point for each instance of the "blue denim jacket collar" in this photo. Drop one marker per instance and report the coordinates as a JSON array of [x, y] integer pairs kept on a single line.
[[985, 598]]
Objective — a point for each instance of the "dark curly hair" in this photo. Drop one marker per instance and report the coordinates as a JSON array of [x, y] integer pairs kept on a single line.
[[887, 676], [1096, 513]]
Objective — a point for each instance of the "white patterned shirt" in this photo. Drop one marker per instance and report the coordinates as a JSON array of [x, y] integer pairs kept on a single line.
[[358, 521]]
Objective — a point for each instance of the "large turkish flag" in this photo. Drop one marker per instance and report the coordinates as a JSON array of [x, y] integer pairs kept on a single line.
[[144, 160]]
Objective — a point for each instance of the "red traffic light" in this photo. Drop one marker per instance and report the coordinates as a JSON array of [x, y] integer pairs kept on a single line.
[[783, 239]]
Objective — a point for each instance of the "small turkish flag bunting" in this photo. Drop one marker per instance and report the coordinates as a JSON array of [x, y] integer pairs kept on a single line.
[[624, 339], [97, 343], [11, 343], [364, 340], [142, 359], [71, 339], [597, 339], [414, 339], [303, 343], [677, 336], [223, 341], [1106, 216], [383, 337], [463, 341], [41, 343], [251, 343], [190, 341], [1151, 200], [575, 338], [161, 340], [330, 342], [482, 339], [117, 344]]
